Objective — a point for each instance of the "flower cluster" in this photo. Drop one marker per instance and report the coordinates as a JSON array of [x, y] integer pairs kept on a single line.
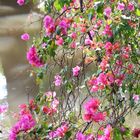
[[20, 2], [57, 80], [3, 108], [59, 132], [81, 136], [91, 111], [90, 49], [107, 134], [25, 122], [33, 57], [49, 25], [25, 37], [53, 103], [76, 71]]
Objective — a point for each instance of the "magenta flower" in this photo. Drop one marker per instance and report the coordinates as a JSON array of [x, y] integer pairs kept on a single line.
[[57, 80], [64, 25], [76, 71], [81, 136], [25, 123], [107, 31], [136, 98], [33, 58], [49, 25], [20, 2], [131, 7], [121, 6], [59, 132], [73, 35], [102, 79], [50, 95], [92, 105], [3, 108], [48, 21], [107, 11], [25, 37], [88, 41], [59, 41], [91, 111], [73, 45], [107, 133]]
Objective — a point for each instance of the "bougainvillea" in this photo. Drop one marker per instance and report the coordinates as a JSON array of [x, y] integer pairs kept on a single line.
[[87, 59]]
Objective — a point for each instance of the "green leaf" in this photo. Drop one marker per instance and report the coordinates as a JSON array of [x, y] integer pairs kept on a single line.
[[67, 135], [138, 12], [117, 134], [57, 5]]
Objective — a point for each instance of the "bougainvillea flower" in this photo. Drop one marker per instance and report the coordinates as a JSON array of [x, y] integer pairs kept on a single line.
[[57, 80], [76, 71], [59, 132], [121, 6], [81, 136], [107, 11], [3, 108], [131, 7], [33, 58], [20, 2], [107, 31], [107, 134], [48, 25], [25, 37], [91, 111], [136, 98]]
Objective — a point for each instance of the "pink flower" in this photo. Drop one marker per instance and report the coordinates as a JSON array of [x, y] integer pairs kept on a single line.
[[121, 6], [88, 41], [99, 116], [25, 37], [25, 123], [136, 98], [109, 48], [92, 105], [94, 88], [81, 136], [91, 113], [102, 79], [50, 95], [64, 25], [107, 133], [20, 2], [104, 64], [73, 45], [33, 58], [49, 25], [57, 80], [3, 108], [59, 41], [107, 31], [59, 132], [54, 103], [131, 7], [107, 11], [73, 35], [44, 45], [76, 71], [48, 21]]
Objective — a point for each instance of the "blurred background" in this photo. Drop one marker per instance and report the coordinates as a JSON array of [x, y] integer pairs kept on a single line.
[[16, 87]]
